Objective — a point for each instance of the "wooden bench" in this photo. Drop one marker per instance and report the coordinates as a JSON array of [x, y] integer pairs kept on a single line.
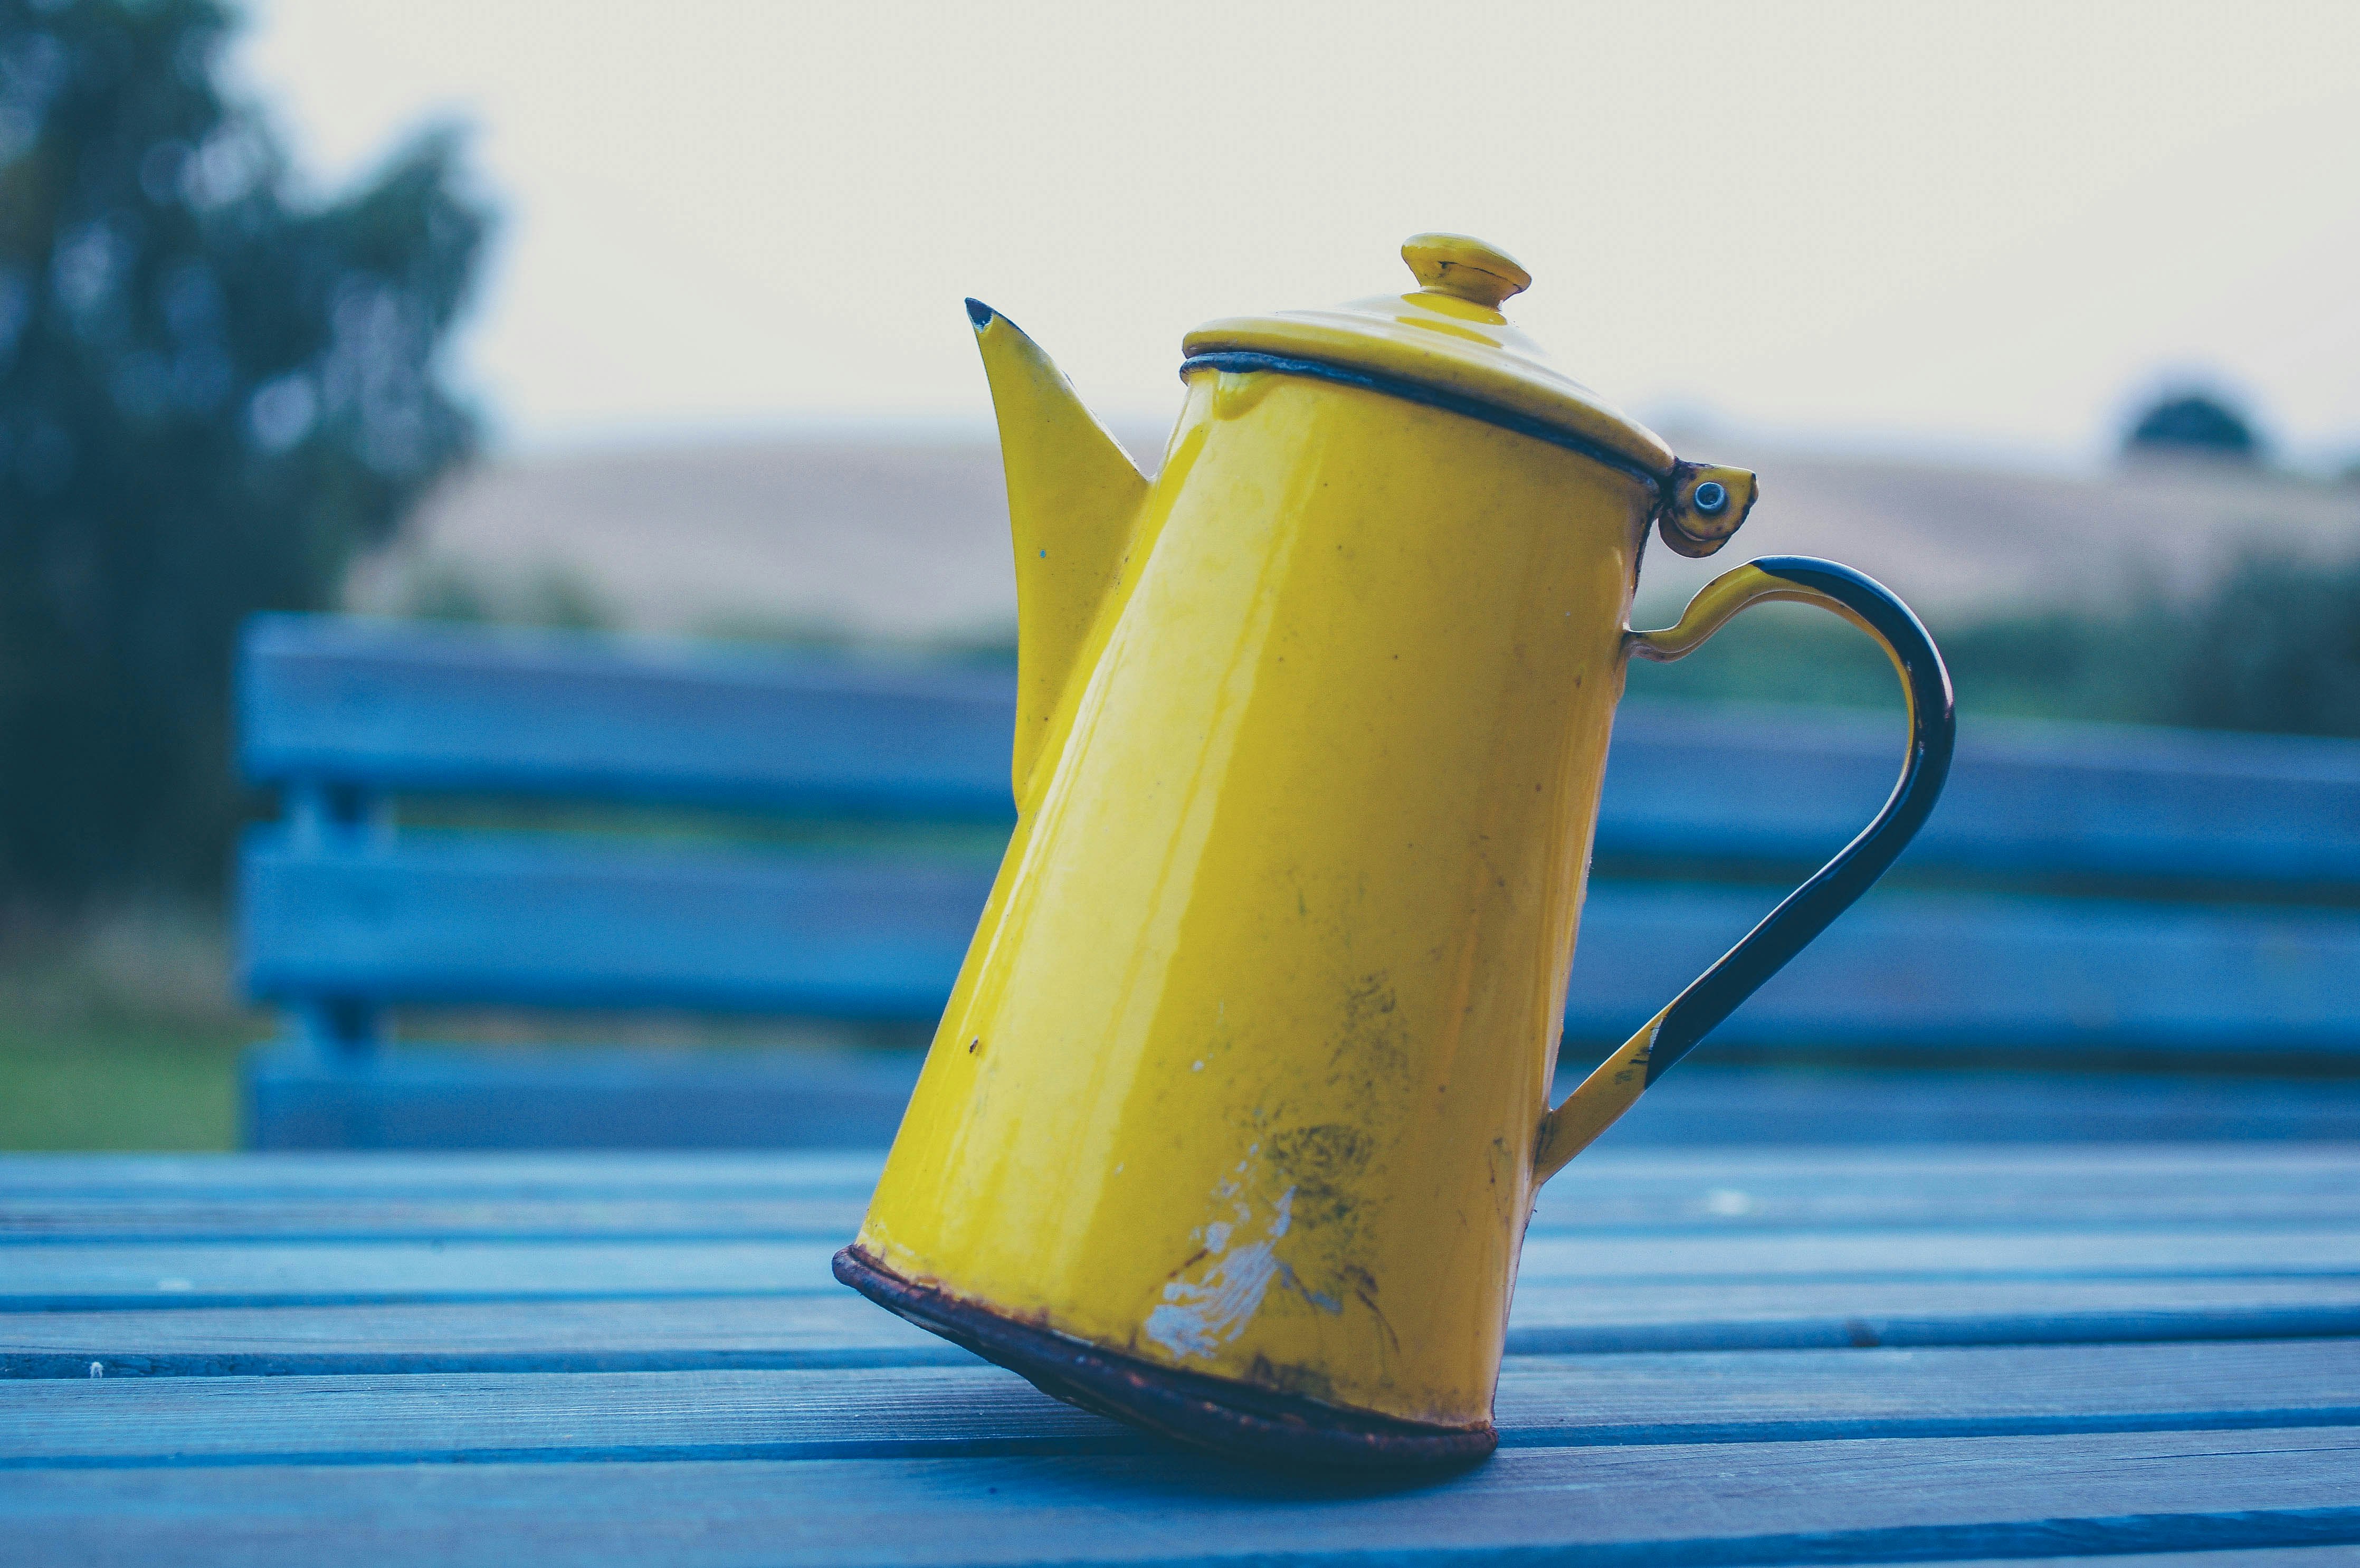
[[2084, 897]]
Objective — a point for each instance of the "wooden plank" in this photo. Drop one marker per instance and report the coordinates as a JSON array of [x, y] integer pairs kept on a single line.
[[1712, 1104], [426, 708], [94, 1275], [500, 920], [973, 1411], [1745, 1503], [1714, 1190], [1696, 1209], [688, 1197], [688, 1334], [436, 1096], [403, 706], [40, 1220], [1701, 1209], [792, 1330], [687, 1174], [519, 919], [522, 919], [75, 1277], [1960, 972], [2230, 1557], [2025, 798], [444, 1097]]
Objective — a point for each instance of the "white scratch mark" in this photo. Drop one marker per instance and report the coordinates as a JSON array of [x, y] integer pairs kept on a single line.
[[1198, 1317]]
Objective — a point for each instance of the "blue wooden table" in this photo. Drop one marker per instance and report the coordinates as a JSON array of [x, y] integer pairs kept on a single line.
[[1756, 1356]]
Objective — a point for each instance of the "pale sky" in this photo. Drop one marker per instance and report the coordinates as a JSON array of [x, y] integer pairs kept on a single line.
[[1973, 228]]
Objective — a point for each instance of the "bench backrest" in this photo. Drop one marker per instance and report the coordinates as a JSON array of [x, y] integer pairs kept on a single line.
[[344, 914], [396, 708]]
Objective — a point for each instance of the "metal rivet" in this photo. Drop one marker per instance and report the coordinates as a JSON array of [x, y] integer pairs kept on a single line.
[[1710, 496]]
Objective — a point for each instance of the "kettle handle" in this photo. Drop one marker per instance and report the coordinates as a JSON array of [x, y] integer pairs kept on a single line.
[[1619, 1080]]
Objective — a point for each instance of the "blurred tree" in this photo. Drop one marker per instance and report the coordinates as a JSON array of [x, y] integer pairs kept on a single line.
[[2196, 423], [211, 396], [2274, 646]]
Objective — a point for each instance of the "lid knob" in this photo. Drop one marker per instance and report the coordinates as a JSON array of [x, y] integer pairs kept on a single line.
[[1454, 264]]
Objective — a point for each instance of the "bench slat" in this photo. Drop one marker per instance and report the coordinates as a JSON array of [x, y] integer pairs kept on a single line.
[[401, 706], [298, 1097], [90, 1276], [2024, 798], [973, 1411], [1740, 1503], [1726, 1190], [520, 919], [1976, 970], [839, 1328], [452, 1098]]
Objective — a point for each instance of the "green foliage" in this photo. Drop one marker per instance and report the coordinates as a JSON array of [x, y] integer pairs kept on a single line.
[[1777, 654], [211, 396], [118, 1031], [2196, 423], [554, 598], [2273, 645]]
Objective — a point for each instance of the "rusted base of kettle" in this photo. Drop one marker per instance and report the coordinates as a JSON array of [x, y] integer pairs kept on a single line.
[[1233, 1420]]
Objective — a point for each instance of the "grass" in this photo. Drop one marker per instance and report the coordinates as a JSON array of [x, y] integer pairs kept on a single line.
[[125, 1087], [119, 1032]]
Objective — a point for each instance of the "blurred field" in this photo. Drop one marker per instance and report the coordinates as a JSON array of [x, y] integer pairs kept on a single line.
[[903, 540], [120, 1033]]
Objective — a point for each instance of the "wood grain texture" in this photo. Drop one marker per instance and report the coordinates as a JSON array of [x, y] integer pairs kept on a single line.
[[794, 1330], [443, 708], [1603, 1194], [80, 1276], [2226, 1557], [1961, 972], [516, 919], [1741, 1357], [429, 1096], [316, 1175], [1841, 1501], [533, 920], [1653, 1190], [907, 1412], [426, 708]]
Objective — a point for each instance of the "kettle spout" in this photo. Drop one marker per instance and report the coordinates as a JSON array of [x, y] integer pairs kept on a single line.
[[1073, 496]]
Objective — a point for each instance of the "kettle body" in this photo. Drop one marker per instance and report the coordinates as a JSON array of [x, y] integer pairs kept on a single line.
[[1235, 1118]]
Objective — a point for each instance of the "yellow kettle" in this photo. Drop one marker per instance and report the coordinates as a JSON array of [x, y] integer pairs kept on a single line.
[[1235, 1119]]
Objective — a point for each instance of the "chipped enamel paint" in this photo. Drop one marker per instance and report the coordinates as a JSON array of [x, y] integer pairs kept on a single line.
[[1199, 1316]]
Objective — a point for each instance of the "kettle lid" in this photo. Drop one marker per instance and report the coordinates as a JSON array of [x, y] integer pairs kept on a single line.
[[1443, 343]]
